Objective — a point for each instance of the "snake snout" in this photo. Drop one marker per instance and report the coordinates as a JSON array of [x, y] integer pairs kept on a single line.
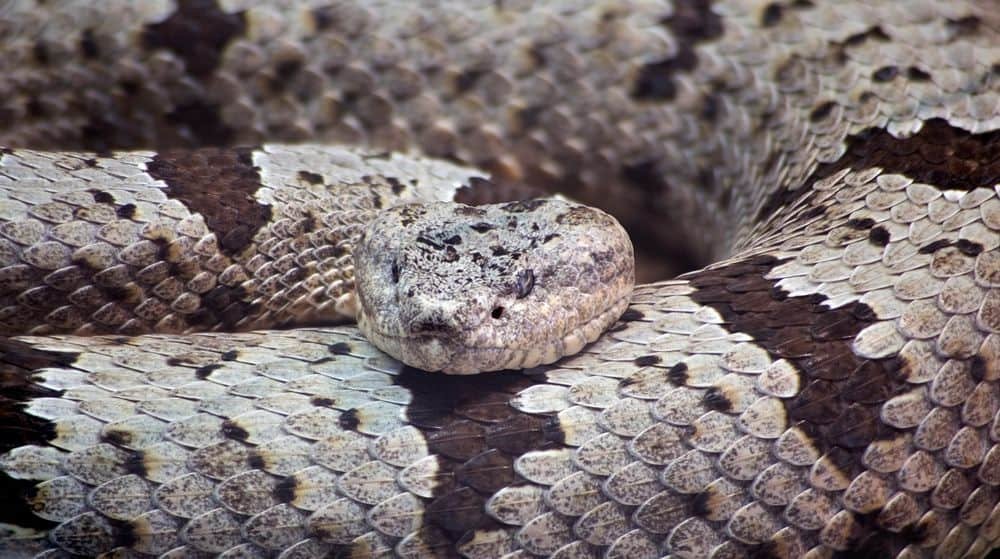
[[431, 320], [434, 326]]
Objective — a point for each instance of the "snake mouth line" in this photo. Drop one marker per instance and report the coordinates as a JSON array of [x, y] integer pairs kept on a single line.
[[447, 354], [453, 339]]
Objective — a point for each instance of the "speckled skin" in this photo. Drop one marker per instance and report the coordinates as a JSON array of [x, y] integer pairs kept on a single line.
[[463, 289], [827, 387]]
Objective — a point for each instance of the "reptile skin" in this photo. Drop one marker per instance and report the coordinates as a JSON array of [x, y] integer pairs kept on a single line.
[[828, 387]]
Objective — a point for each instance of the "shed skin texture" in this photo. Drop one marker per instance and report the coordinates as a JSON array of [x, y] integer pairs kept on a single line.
[[462, 289]]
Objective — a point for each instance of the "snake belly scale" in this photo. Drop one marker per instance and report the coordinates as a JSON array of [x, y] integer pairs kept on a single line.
[[826, 384]]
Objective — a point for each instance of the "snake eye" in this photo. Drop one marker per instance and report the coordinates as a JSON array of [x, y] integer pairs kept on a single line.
[[394, 271], [497, 312], [524, 283]]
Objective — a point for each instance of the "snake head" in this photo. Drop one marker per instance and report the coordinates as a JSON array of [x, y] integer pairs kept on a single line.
[[462, 289]]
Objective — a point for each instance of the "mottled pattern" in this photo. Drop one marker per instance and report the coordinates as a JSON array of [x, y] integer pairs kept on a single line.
[[462, 289], [829, 388]]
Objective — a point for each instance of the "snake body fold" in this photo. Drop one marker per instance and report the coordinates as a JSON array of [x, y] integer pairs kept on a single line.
[[829, 386]]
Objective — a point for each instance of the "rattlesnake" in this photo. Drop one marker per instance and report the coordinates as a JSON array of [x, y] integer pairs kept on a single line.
[[829, 385]]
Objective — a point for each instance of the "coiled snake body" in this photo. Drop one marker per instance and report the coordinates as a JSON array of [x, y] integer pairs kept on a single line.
[[829, 386]]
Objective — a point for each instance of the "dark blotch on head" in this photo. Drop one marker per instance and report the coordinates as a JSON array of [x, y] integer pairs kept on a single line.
[[481, 227], [523, 206], [429, 242], [230, 355], [524, 283]]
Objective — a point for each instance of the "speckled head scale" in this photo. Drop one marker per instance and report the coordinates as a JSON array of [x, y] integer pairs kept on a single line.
[[465, 289]]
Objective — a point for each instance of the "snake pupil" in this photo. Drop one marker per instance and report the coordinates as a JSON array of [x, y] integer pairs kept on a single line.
[[394, 270], [497, 312]]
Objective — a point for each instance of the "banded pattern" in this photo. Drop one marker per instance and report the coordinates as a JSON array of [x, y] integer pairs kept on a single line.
[[829, 388], [209, 239]]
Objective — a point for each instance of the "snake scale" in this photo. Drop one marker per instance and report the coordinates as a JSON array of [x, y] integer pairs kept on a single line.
[[827, 387]]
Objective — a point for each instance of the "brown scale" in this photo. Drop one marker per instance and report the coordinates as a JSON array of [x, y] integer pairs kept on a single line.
[[229, 207], [469, 423], [17, 428], [940, 154], [838, 406]]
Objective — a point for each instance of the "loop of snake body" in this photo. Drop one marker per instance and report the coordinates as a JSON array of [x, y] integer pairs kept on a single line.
[[181, 176]]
